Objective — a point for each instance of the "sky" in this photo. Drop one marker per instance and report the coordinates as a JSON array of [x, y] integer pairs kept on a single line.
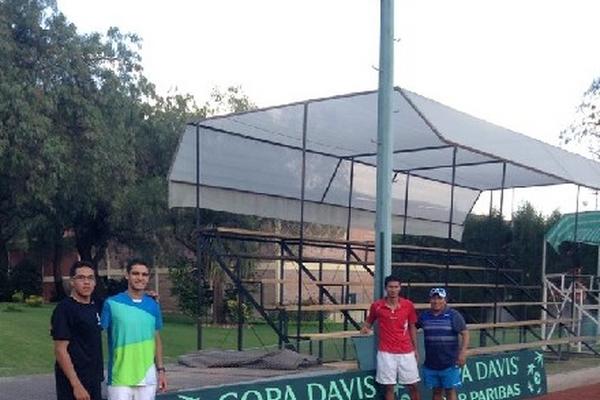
[[521, 64]]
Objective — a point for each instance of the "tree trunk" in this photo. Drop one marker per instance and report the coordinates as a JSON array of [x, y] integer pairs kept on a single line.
[[59, 291], [5, 290], [218, 295]]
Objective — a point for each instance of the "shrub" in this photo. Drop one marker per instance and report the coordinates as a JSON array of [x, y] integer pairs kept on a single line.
[[34, 301], [231, 306], [184, 278], [17, 297], [26, 277]]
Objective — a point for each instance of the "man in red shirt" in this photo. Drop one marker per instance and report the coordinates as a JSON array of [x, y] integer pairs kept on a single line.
[[396, 355]]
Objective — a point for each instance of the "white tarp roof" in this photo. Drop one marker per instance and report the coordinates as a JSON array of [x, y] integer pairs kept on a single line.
[[251, 163]]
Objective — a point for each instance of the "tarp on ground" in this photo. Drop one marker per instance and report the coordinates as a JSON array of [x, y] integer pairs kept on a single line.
[[587, 231], [251, 163]]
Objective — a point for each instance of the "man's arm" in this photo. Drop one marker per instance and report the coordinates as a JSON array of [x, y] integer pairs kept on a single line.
[[412, 331], [158, 361], [464, 344], [66, 364], [366, 328]]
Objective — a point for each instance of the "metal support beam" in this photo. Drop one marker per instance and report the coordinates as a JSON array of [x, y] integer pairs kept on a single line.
[[383, 220], [450, 217], [497, 277], [301, 244], [575, 261], [348, 255], [406, 204], [200, 282], [335, 170]]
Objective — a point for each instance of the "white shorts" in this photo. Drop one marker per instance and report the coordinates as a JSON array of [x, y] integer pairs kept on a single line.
[[147, 392], [397, 368]]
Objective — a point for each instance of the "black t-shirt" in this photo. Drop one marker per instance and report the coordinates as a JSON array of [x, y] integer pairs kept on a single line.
[[79, 324]]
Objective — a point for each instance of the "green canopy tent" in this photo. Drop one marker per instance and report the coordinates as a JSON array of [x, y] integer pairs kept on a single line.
[[580, 227]]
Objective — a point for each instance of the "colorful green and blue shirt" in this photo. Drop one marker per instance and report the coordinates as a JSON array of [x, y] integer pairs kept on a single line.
[[131, 325]]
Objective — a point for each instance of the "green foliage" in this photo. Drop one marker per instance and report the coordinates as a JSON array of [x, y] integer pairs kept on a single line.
[[488, 234], [34, 301], [17, 297], [11, 308], [584, 128], [184, 277], [86, 142], [5, 290], [231, 305], [26, 277], [114, 286]]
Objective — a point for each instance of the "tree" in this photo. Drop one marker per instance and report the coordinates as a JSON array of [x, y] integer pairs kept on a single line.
[[80, 129], [585, 128], [529, 228]]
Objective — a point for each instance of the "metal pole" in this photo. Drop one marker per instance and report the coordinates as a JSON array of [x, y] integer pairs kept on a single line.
[[348, 226], [240, 311], [497, 277], [575, 261], [502, 190], [198, 245], [383, 210], [301, 244], [321, 316], [596, 286], [405, 204], [383, 222], [544, 290], [450, 217]]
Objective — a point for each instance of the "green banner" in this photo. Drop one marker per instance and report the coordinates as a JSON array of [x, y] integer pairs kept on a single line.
[[515, 375]]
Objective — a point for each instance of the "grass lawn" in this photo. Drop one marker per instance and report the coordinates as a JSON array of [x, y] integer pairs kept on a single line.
[[26, 346]]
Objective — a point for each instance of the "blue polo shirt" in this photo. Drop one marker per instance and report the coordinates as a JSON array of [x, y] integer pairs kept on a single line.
[[441, 337]]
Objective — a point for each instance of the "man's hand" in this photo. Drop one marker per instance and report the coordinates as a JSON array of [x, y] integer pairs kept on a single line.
[[153, 294], [462, 358], [162, 381], [80, 393], [365, 330]]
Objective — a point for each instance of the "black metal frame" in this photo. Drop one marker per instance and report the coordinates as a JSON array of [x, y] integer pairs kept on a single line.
[[350, 253]]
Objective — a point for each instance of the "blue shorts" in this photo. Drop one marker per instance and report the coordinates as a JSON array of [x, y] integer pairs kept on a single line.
[[448, 378]]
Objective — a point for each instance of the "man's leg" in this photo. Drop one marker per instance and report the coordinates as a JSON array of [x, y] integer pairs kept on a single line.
[[408, 374], [387, 375], [437, 393], [389, 392], [450, 394], [413, 391], [120, 392], [147, 392]]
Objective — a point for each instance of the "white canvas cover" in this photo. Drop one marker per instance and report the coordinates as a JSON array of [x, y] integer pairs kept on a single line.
[[251, 163]]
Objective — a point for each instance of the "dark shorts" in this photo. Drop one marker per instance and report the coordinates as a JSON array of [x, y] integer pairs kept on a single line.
[[448, 378], [64, 390]]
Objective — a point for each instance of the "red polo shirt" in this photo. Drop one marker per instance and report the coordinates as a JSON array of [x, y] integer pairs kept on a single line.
[[394, 336]]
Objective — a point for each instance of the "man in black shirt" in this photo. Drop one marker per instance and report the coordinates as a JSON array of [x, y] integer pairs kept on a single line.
[[77, 339]]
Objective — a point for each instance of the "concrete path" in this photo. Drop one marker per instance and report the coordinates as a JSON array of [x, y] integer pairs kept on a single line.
[[41, 387]]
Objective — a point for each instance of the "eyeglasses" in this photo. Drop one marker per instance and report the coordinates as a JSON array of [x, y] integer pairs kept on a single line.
[[90, 278], [438, 292]]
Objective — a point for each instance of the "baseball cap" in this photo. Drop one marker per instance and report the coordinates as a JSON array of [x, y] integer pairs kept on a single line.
[[438, 291]]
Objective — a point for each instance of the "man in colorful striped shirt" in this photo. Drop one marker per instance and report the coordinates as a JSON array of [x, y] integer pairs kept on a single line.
[[133, 320], [444, 352]]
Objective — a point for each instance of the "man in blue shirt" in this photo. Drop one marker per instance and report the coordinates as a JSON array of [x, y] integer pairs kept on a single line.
[[445, 353]]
